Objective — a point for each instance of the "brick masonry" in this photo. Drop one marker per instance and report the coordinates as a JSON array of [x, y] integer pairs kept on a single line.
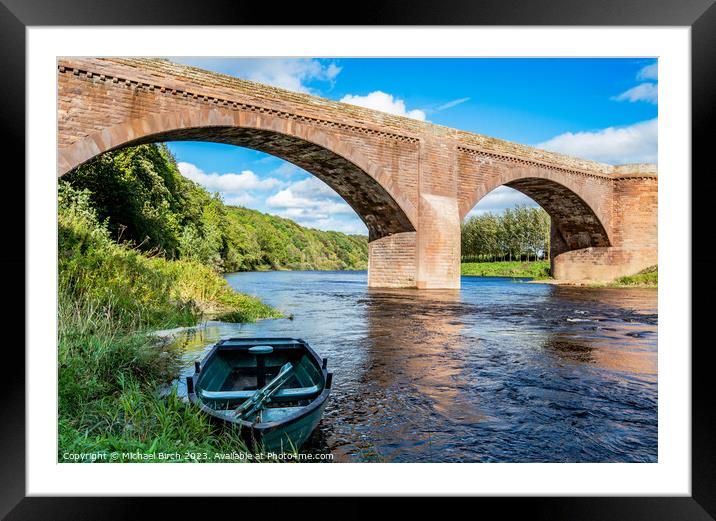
[[410, 181], [392, 261]]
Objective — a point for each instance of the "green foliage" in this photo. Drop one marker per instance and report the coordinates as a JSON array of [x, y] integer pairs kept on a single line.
[[130, 287], [141, 195], [536, 269], [647, 278], [143, 198], [263, 242], [110, 400], [518, 233]]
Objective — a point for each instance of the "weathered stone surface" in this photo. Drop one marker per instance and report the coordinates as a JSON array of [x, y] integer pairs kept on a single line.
[[411, 182]]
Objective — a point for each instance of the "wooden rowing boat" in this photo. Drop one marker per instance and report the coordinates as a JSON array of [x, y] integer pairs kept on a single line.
[[274, 389]]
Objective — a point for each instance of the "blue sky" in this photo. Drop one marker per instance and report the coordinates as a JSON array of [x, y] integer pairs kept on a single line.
[[601, 109]]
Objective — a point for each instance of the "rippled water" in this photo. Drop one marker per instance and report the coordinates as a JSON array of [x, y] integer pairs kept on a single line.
[[500, 370]]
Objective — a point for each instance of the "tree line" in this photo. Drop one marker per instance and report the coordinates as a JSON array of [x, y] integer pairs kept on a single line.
[[145, 201], [520, 233]]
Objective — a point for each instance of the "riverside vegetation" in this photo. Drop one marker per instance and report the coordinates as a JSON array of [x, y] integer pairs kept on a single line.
[[512, 244], [141, 248], [110, 296], [647, 278], [538, 269]]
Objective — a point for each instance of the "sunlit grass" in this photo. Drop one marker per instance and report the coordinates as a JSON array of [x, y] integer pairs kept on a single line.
[[110, 380], [647, 278], [534, 269]]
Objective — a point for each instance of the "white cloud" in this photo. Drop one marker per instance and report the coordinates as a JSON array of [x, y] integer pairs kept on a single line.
[[614, 145], [453, 103], [312, 203], [309, 198], [291, 74], [648, 92], [332, 71], [650, 72], [287, 73], [286, 169], [309, 202], [352, 226], [499, 200], [306, 208], [227, 183], [314, 188], [240, 200], [267, 158], [348, 224], [379, 100]]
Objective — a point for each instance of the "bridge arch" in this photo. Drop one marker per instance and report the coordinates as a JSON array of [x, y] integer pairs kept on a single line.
[[362, 183], [578, 216]]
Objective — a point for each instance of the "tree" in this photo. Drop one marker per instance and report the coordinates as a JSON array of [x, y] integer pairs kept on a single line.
[[516, 233]]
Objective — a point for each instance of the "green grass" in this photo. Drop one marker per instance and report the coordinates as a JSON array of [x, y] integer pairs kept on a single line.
[[209, 292], [534, 269], [109, 394], [112, 373], [539, 270], [647, 278]]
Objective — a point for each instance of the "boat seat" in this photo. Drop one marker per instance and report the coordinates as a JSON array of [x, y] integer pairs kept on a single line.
[[292, 393]]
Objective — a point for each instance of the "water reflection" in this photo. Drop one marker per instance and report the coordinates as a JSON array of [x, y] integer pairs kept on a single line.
[[408, 386], [498, 371]]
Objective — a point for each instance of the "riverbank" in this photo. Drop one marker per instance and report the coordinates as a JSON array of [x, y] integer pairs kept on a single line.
[[538, 271], [648, 278], [518, 269], [110, 405], [111, 371]]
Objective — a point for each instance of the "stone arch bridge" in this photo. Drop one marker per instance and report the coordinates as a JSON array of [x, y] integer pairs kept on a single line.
[[411, 182]]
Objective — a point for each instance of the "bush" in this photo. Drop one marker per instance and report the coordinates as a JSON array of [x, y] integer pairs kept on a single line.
[[130, 287]]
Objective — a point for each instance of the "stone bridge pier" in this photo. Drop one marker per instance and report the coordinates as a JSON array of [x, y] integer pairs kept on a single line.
[[411, 182]]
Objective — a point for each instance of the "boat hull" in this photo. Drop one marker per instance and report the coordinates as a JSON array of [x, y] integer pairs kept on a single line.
[[289, 436], [279, 429]]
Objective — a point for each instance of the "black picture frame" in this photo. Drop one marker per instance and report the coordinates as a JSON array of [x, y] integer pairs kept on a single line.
[[699, 15]]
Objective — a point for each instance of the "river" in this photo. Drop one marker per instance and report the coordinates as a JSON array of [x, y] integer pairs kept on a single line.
[[499, 371]]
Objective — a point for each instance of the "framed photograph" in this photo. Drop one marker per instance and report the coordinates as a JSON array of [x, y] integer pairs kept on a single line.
[[423, 247]]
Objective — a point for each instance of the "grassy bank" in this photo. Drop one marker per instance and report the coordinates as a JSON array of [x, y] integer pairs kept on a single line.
[[110, 371], [109, 401], [648, 278], [137, 288], [535, 269], [539, 270]]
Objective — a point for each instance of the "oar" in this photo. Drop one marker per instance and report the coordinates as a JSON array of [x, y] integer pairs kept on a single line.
[[262, 396]]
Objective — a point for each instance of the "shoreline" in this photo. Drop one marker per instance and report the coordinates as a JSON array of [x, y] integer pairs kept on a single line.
[[592, 284], [539, 273]]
